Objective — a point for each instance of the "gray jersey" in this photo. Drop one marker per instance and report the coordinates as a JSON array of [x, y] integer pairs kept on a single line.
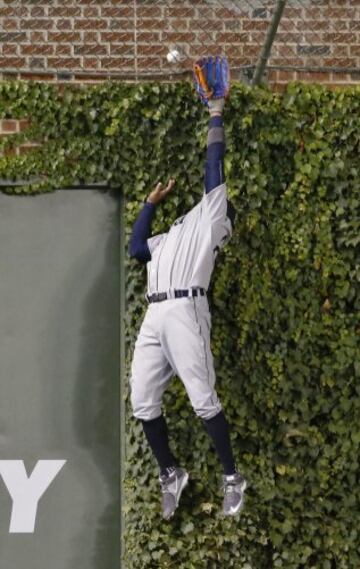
[[184, 257]]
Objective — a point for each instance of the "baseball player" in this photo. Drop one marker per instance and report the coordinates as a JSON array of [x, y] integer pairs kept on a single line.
[[174, 337]]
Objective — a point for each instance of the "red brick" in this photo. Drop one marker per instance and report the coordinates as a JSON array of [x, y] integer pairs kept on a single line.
[[90, 11], [149, 12], [62, 49], [179, 12], [117, 37], [36, 24], [332, 13], [152, 50], [251, 50], [24, 124], [340, 38], [283, 50], [272, 75], [37, 37], [231, 37], [12, 62], [200, 51], [13, 11], [204, 12], [234, 50], [63, 62], [340, 50], [124, 49], [355, 50], [313, 25], [180, 25], [299, 61], [237, 61], [9, 75], [340, 62], [257, 37], [37, 12], [10, 24], [340, 77], [279, 87], [232, 25], [90, 24], [10, 49], [117, 11], [313, 76], [291, 13], [117, 62], [147, 62], [37, 49], [9, 125], [339, 25], [90, 49], [91, 63], [64, 11], [26, 76], [223, 13], [355, 25], [256, 25], [90, 37], [286, 75], [151, 24], [64, 24], [288, 37], [64, 37], [180, 37], [147, 37], [210, 25]]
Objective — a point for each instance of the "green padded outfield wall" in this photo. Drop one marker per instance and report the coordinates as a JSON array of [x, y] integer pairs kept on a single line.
[[60, 380]]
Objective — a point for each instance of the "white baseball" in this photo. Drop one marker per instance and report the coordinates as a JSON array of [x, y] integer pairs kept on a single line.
[[173, 56]]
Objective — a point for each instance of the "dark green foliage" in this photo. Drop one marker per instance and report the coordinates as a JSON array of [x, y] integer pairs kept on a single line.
[[285, 309]]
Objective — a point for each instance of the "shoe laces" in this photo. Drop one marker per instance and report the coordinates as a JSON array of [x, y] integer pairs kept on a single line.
[[166, 480], [229, 486]]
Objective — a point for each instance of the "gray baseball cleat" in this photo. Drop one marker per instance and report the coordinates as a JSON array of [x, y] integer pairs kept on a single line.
[[172, 485], [233, 486]]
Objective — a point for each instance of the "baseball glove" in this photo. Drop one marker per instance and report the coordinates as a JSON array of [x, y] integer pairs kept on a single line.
[[211, 78]]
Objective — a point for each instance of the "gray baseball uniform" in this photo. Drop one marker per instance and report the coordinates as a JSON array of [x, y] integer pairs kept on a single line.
[[174, 337]]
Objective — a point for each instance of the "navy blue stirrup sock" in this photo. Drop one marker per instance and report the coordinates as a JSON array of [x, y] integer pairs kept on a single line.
[[157, 436], [217, 428]]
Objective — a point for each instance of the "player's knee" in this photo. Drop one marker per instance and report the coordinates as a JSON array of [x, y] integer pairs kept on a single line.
[[208, 412], [142, 410]]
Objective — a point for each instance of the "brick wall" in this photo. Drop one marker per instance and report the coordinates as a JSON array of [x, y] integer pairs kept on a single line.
[[72, 41], [126, 37]]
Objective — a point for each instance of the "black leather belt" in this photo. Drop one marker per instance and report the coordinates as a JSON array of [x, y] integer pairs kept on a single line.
[[178, 293]]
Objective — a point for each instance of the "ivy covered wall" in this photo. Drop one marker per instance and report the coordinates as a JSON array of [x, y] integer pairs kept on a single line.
[[284, 300]]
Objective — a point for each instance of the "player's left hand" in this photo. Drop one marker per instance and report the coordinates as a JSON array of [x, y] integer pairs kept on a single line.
[[160, 192]]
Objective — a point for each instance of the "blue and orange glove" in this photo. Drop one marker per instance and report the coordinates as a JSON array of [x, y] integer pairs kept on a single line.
[[211, 78]]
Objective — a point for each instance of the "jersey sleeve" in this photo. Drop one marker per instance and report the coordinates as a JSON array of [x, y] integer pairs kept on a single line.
[[214, 204], [155, 241]]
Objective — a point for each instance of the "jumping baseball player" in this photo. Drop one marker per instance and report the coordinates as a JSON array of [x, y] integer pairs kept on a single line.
[[174, 337]]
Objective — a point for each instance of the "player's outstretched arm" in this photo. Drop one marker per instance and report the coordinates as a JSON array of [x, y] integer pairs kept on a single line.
[[212, 84], [138, 246], [216, 146]]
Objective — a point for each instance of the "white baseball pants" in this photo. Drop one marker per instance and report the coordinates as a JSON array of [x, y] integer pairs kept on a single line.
[[174, 339]]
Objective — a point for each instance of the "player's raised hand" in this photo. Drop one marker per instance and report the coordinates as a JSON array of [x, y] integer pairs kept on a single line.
[[160, 191]]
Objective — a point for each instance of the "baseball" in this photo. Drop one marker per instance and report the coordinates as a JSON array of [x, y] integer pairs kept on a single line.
[[173, 56]]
